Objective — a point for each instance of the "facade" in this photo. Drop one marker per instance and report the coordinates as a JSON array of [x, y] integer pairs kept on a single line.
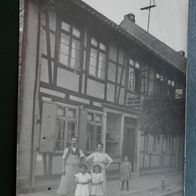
[[82, 75]]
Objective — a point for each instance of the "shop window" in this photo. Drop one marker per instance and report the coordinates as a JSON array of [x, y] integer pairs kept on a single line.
[[94, 131], [71, 130], [97, 59], [66, 126], [113, 134], [70, 46]]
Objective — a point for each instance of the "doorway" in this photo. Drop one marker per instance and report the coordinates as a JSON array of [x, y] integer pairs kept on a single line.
[[129, 139]]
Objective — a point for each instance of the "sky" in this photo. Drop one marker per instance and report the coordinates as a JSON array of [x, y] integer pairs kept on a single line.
[[168, 19]]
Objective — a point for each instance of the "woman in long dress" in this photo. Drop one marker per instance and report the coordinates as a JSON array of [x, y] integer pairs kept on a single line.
[[101, 158]]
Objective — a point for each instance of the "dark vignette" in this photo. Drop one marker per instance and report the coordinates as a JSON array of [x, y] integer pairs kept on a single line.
[[8, 94]]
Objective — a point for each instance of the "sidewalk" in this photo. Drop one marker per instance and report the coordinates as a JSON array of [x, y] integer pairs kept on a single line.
[[149, 185]]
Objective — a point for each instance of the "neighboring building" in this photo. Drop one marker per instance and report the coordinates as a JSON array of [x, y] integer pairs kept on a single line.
[[85, 76]]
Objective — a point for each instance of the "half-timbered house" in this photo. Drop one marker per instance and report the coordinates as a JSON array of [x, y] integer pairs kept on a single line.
[[83, 75]]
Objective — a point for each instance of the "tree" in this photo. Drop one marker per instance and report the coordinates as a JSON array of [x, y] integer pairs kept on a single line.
[[163, 116]]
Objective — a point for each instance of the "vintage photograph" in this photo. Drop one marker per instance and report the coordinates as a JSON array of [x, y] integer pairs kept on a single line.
[[101, 98]]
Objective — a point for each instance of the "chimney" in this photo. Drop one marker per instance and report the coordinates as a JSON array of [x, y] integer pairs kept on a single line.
[[130, 17]]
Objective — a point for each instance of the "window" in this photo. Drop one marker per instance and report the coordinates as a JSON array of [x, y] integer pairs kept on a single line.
[[178, 93], [151, 82], [156, 143], [111, 72], [69, 54], [60, 128], [157, 84], [97, 59], [148, 81], [133, 76], [171, 88], [94, 130], [144, 80], [164, 86], [66, 126], [121, 76]]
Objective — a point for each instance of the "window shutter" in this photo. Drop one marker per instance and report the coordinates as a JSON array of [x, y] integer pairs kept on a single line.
[[48, 131], [82, 129]]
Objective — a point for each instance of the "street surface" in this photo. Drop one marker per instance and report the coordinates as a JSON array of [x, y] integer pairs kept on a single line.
[[149, 185]]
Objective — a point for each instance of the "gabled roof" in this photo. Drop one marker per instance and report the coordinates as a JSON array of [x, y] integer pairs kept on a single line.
[[132, 31], [164, 51]]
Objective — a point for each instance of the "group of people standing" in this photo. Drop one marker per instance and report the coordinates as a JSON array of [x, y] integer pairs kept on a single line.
[[76, 181]]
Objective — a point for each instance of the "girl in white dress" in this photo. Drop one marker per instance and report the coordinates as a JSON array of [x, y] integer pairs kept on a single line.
[[83, 180], [97, 180], [101, 158]]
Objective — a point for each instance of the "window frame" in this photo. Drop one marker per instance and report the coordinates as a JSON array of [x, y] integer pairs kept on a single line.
[[98, 51], [137, 83], [71, 37], [118, 66], [67, 120], [94, 125]]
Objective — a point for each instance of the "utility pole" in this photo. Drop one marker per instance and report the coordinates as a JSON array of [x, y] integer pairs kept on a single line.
[[149, 12]]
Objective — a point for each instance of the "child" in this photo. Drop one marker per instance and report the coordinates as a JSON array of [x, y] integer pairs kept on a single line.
[[83, 180], [97, 180], [125, 170]]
